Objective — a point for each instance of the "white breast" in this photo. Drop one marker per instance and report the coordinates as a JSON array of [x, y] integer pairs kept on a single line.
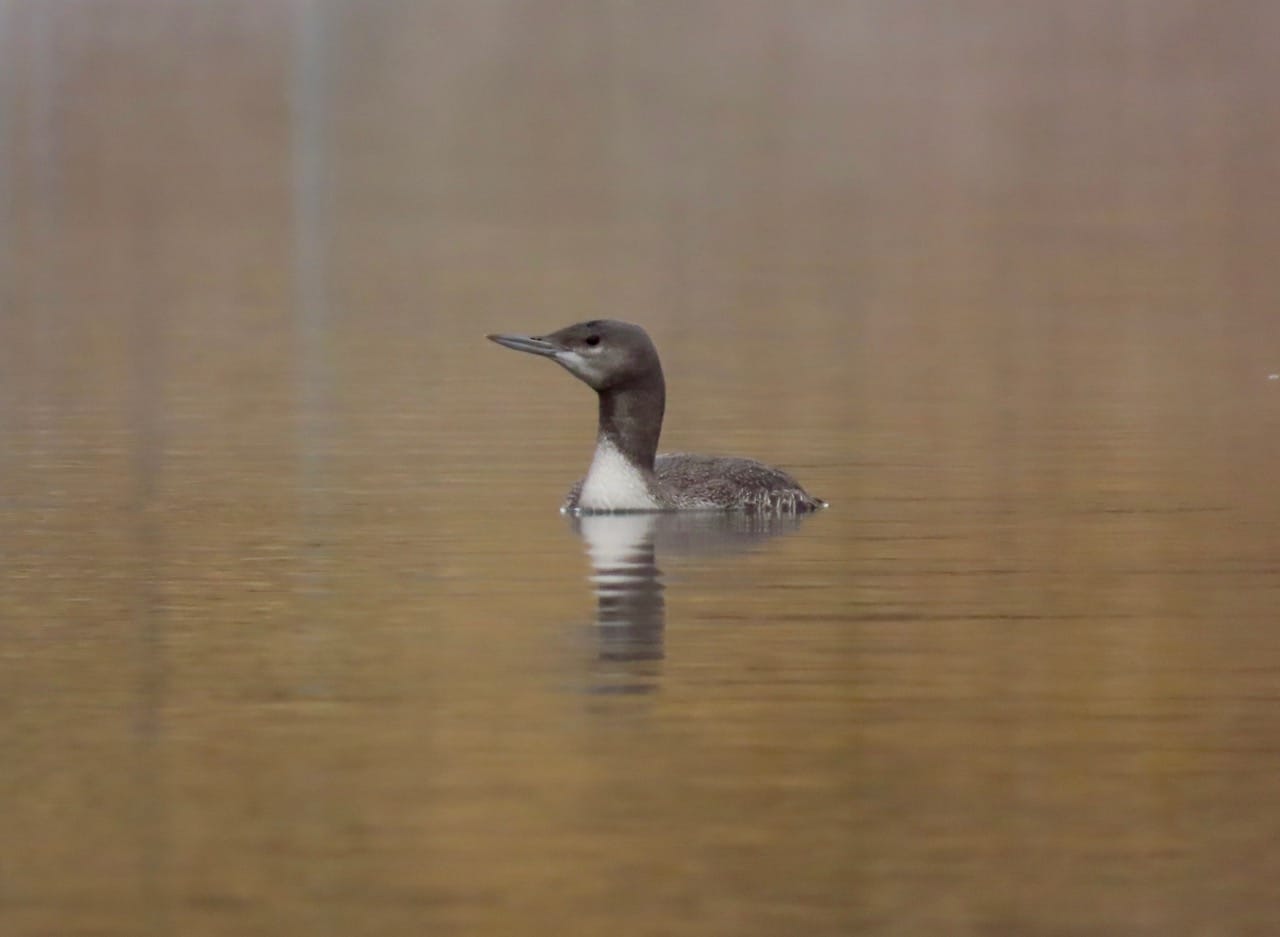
[[614, 484]]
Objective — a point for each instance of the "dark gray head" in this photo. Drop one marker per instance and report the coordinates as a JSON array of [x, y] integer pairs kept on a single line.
[[604, 353]]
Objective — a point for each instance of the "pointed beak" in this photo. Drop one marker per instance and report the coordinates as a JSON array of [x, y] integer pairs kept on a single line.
[[534, 346]]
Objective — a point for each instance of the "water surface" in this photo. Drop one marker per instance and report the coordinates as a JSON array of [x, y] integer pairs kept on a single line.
[[295, 641]]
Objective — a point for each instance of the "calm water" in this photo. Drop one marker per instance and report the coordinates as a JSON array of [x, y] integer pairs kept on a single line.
[[292, 637]]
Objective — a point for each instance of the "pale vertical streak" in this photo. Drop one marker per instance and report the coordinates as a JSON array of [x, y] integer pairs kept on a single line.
[[624, 228], [7, 327], [309, 93], [312, 320], [7, 265], [41, 312], [310, 176], [149, 295]]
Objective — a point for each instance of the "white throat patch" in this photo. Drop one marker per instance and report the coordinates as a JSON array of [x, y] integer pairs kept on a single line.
[[614, 484]]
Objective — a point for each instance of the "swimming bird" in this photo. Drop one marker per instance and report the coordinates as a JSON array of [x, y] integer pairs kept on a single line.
[[620, 363]]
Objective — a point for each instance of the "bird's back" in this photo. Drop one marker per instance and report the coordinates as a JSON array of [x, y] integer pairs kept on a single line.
[[686, 481], [712, 481]]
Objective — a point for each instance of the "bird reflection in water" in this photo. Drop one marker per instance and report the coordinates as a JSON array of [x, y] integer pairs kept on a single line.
[[631, 611]]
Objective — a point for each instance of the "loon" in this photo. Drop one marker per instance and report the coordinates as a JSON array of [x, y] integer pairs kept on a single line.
[[619, 362]]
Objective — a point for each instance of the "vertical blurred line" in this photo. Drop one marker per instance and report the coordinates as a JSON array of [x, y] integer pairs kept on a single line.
[[6, 353], [43, 179], [6, 191], [147, 347], [7, 266], [309, 101], [29, 195], [310, 177], [312, 319], [621, 234]]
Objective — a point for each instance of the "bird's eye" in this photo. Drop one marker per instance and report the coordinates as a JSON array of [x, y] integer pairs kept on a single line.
[[593, 340]]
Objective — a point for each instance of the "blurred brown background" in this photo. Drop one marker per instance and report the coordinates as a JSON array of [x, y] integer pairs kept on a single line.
[[293, 639]]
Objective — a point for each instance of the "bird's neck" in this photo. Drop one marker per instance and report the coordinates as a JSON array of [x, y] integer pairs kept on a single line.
[[631, 419]]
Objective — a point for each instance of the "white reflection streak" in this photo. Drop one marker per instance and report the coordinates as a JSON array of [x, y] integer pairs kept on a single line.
[[630, 610], [613, 542]]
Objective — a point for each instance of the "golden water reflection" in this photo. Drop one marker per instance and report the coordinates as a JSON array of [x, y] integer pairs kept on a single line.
[[294, 639]]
